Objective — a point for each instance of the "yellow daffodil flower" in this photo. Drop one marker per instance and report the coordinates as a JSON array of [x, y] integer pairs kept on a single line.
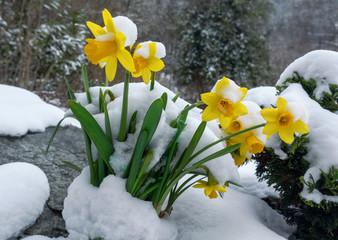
[[210, 188], [108, 46], [283, 121], [147, 60], [225, 103]]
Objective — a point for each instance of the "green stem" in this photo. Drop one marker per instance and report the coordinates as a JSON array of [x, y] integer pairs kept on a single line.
[[152, 82], [123, 124]]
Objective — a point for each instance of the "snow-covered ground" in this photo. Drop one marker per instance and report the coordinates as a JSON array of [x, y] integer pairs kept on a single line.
[[239, 215]]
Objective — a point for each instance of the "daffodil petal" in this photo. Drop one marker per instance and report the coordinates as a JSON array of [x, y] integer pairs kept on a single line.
[[220, 189], [95, 29], [240, 109], [125, 59], [270, 114], [155, 64], [221, 84], [300, 127], [146, 75], [207, 191], [270, 129], [286, 134], [108, 21], [210, 98], [224, 121], [111, 66], [199, 186], [244, 91], [281, 104], [209, 114], [243, 148], [152, 49]]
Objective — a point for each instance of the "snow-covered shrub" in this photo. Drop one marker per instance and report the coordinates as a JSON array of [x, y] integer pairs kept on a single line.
[[306, 171]]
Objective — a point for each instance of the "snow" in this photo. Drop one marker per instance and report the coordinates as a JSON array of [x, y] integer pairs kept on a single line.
[[24, 190], [23, 111], [320, 65], [127, 27]]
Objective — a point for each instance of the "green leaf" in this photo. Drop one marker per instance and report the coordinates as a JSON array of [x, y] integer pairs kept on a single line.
[[100, 170], [132, 123], [70, 92], [176, 97], [93, 129], [107, 123], [123, 123], [101, 101], [91, 164], [136, 160], [85, 82], [110, 93], [55, 131], [164, 98], [72, 165]]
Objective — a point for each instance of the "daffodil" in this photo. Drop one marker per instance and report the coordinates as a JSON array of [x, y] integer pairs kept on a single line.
[[286, 120], [147, 59], [252, 141], [225, 103], [210, 188], [109, 45]]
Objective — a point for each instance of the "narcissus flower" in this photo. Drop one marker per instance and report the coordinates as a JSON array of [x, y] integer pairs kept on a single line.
[[225, 103], [286, 120], [109, 43], [210, 188], [253, 141], [147, 59]]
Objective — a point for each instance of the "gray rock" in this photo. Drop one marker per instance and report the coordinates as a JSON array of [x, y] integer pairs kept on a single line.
[[68, 145]]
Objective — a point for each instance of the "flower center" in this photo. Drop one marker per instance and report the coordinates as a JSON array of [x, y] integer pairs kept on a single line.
[[235, 126], [285, 120], [254, 145], [140, 63], [226, 107]]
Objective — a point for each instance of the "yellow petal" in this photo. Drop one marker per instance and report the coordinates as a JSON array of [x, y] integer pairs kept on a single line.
[[244, 91], [240, 109], [270, 114], [146, 75], [199, 186], [120, 39], [224, 121], [286, 134], [208, 191], [281, 104], [210, 98], [111, 66], [221, 84], [125, 59], [155, 64], [239, 160], [108, 21], [220, 189], [243, 149], [152, 49], [209, 114], [270, 129], [300, 127], [95, 29]]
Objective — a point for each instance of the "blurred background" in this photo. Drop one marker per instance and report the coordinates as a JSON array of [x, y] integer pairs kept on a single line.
[[251, 42]]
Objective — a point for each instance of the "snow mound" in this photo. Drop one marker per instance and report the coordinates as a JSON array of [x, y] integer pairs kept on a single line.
[[320, 65], [111, 213], [23, 111], [24, 190]]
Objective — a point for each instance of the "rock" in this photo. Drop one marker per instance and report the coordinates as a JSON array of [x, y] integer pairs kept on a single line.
[[68, 145]]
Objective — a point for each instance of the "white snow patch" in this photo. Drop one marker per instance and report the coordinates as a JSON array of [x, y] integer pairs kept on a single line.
[[24, 190], [23, 111]]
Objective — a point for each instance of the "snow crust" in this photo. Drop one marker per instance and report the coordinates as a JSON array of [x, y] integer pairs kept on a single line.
[[127, 27], [24, 190], [23, 111], [320, 65]]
